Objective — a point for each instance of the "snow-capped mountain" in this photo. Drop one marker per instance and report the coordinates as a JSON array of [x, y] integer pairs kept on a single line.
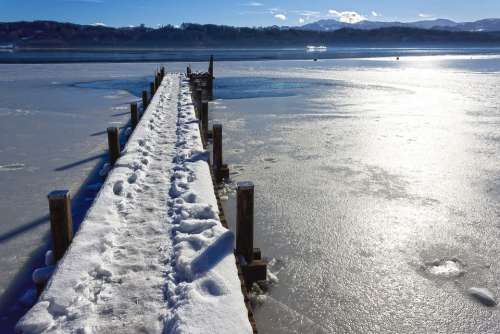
[[441, 24]]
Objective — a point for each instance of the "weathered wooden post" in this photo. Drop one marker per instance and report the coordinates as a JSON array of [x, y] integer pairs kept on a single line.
[[244, 220], [113, 144], [61, 221], [204, 122], [210, 88], [144, 100], [204, 88], [158, 81], [254, 269], [197, 101], [217, 150], [211, 67], [162, 71], [188, 72], [152, 89], [134, 115], [221, 170]]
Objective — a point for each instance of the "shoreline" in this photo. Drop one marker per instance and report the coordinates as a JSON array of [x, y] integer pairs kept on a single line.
[[116, 56]]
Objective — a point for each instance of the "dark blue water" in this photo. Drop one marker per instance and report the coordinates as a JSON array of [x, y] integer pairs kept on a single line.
[[193, 55], [230, 88], [132, 86]]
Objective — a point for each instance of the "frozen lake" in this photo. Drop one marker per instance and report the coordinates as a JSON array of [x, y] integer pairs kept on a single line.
[[53, 121], [377, 181], [377, 190]]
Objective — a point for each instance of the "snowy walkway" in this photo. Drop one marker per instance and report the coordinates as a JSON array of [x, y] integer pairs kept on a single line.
[[151, 256]]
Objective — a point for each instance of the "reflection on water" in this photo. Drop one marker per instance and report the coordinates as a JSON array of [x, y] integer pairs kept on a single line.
[[376, 187]]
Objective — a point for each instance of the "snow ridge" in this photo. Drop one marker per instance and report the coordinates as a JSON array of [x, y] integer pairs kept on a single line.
[[151, 255]]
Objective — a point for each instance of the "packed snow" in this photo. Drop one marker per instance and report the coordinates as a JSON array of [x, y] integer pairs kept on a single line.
[[151, 255]]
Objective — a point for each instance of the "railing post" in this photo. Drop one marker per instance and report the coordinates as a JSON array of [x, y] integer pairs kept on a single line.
[[61, 221], [244, 220], [134, 115], [144, 100], [113, 144]]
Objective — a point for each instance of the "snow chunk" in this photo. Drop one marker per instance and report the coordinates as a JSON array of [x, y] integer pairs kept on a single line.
[[42, 275], [483, 295], [49, 258], [38, 324], [445, 268]]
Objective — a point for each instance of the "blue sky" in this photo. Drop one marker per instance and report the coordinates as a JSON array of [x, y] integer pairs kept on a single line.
[[242, 13]]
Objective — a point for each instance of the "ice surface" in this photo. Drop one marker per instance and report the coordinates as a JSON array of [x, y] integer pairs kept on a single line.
[[151, 255]]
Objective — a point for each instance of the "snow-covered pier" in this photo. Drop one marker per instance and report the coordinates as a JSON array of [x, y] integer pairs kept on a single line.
[[153, 254]]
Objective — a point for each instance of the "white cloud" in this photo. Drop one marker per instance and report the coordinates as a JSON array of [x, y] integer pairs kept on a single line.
[[301, 20], [281, 17], [424, 15], [307, 14], [254, 4], [375, 14], [347, 16], [99, 24]]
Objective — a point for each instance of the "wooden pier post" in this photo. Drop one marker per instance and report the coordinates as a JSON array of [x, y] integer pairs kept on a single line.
[[144, 100], [197, 101], [134, 115], [217, 150], [244, 220], [152, 89], [254, 269], [210, 88], [204, 122], [211, 67], [221, 170], [113, 144], [61, 221]]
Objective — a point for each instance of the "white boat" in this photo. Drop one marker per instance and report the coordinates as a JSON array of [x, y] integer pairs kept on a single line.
[[312, 48]]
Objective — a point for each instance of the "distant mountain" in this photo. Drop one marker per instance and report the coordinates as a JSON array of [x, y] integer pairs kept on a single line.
[[481, 25], [487, 25], [51, 35]]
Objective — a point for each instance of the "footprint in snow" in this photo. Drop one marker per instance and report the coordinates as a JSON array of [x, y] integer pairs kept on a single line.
[[118, 188], [212, 288], [132, 178]]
